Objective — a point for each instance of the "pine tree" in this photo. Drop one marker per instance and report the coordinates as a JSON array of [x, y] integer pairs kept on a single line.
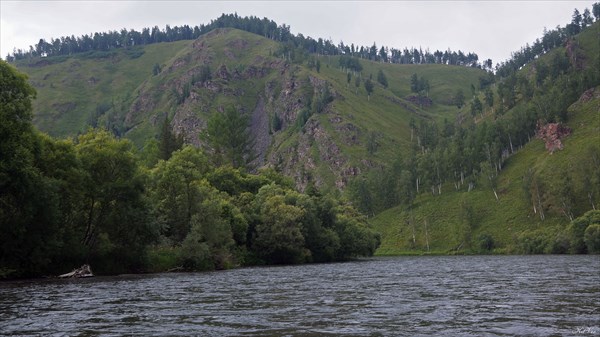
[[228, 137], [382, 79], [369, 88], [168, 142]]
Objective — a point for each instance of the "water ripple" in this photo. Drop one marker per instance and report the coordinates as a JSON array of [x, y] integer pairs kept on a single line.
[[408, 296]]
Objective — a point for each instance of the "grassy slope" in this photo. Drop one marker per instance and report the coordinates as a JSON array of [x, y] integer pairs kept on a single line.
[[219, 48], [380, 114], [503, 219], [513, 214], [70, 90]]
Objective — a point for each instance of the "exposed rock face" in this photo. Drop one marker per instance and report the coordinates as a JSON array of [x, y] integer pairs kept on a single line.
[[421, 101], [300, 160], [576, 56], [280, 91], [223, 73], [259, 126], [551, 134], [589, 94]]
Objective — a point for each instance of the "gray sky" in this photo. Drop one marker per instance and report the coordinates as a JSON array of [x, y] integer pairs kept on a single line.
[[492, 29]]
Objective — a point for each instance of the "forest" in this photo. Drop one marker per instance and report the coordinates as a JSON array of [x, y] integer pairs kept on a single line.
[[528, 95], [96, 199], [291, 44], [474, 152]]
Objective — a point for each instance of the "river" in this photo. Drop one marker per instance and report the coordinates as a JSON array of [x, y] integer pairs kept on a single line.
[[401, 296]]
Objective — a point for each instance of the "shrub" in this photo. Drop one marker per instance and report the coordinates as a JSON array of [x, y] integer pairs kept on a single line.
[[591, 238], [532, 243], [560, 245], [485, 242], [577, 229]]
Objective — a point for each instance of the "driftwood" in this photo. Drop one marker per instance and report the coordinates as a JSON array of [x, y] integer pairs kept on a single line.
[[176, 269], [83, 271]]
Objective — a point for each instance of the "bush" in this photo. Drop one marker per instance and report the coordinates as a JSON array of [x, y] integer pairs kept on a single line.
[[592, 238], [560, 245], [532, 243], [485, 242], [134, 53], [162, 258], [577, 229]]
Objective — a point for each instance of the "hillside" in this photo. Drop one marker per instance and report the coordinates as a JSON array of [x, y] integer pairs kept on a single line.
[[436, 176], [539, 192], [131, 92], [444, 221]]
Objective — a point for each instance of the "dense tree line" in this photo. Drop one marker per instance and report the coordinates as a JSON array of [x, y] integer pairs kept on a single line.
[[297, 44], [104, 41], [551, 39], [95, 199], [412, 55]]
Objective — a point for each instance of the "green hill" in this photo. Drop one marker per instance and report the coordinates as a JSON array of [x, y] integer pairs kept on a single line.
[[124, 91], [452, 219], [313, 121], [539, 192]]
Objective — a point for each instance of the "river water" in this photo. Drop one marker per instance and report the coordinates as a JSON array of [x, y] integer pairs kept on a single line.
[[402, 296]]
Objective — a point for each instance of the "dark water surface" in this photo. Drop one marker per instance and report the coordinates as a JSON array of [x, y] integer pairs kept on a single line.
[[404, 296]]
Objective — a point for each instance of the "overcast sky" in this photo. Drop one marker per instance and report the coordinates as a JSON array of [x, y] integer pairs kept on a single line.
[[492, 29]]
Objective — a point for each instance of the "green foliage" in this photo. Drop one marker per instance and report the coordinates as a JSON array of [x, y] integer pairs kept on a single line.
[[279, 236], [162, 258], [532, 242], [350, 63], [168, 141], [419, 85], [356, 237], [209, 241], [134, 53], [372, 142], [485, 242], [117, 223], [276, 123], [577, 232], [592, 238], [320, 100], [228, 137], [177, 191], [205, 74], [73, 202], [489, 97], [448, 157], [26, 224], [369, 87], [156, 69], [476, 107], [459, 98], [382, 79], [150, 153]]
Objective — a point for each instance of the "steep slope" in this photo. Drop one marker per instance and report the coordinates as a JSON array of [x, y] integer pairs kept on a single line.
[[539, 192], [450, 220], [73, 92], [309, 122]]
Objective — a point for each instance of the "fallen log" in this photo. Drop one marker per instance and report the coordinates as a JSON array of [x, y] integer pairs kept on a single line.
[[83, 271]]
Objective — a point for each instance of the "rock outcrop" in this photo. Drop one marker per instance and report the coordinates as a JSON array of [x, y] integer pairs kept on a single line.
[[551, 134]]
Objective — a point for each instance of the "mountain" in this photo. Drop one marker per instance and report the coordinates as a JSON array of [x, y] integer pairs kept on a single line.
[[444, 158], [540, 189], [131, 92]]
